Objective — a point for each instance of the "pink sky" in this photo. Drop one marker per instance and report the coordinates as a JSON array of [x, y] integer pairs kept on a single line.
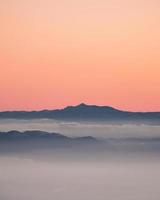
[[64, 52]]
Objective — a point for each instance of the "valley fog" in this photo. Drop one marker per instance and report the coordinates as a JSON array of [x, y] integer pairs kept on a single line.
[[123, 179], [74, 129], [127, 170]]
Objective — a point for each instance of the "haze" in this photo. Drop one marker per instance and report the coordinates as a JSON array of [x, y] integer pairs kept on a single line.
[[123, 178], [130, 173], [75, 129]]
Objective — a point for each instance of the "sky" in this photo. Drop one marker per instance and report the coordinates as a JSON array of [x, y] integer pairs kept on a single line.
[[64, 52]]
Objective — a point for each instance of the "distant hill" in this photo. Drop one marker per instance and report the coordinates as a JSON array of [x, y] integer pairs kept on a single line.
[[30, 135], [39, 141], [29, 141], [85, 112], [40, 135]]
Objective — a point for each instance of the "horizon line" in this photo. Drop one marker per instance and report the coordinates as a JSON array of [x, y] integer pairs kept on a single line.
[[76, 105]]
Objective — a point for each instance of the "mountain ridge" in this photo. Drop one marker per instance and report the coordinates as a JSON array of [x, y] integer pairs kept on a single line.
[[83, 112], [41, 143], [38, 134]]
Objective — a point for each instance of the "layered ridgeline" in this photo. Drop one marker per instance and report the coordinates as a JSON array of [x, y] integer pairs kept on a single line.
[[40, 135], [85, 112], [33, 140], [29, 141]]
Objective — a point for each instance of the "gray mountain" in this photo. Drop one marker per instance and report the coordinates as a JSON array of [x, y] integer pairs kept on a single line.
[[85, 112], [40, 135], [29, 141], [43, 142]]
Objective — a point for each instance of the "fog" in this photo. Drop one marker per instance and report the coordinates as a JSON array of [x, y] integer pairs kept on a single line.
[[82, 129], [30, 179], [124, 170]]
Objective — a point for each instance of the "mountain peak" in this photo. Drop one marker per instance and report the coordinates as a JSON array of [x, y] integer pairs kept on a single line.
[[89, 109], [82, 105]]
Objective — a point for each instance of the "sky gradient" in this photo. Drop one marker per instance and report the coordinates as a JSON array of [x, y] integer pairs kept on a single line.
[[64, 52]]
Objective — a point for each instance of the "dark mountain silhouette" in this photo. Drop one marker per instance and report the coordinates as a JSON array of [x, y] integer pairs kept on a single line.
[[30, 135], [85, 112], [40, 141], [40, 135], [29, 141]]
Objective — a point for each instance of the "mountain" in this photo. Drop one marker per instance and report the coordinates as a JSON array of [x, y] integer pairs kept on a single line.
[[37, 135], [29, 141], [30, 135], [40, 141], [85, 112], [40, 135]]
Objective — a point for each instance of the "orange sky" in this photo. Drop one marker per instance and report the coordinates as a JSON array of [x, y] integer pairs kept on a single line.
[[64, 52]]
